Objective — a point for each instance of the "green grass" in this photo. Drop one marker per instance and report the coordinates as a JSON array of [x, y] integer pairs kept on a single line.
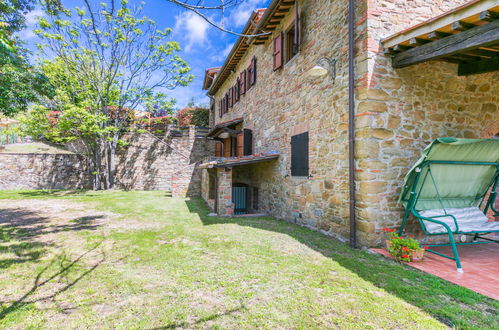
[[162, 262], [33, 148]]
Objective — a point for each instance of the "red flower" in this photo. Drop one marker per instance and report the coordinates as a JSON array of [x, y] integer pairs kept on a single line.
[[411, 236], [388, 230], [405, 256], [426, 247], [405, 249], [400, 237]]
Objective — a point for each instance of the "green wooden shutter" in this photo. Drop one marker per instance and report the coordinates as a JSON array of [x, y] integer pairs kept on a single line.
[[299, 154]]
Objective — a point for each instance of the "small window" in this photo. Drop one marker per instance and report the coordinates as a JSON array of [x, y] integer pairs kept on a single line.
[[299, 154], [291, 45], [255, 198]]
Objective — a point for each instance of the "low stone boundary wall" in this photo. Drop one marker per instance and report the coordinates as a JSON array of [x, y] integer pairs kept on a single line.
[[43, 171], [149, 162]]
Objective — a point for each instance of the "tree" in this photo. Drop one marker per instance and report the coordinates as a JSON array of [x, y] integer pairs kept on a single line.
[[108, 61], [204, 8], [20, 83]]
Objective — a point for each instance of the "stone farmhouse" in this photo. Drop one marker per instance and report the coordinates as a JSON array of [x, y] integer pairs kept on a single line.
[[306, 133]]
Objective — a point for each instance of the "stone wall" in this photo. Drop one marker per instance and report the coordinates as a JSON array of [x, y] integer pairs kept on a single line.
[[164, 162], [286, 102], [149, 162], [400, 111], [43, 171]]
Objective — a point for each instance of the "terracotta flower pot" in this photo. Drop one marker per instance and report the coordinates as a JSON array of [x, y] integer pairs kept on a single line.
[[388, 243], [418, 255]]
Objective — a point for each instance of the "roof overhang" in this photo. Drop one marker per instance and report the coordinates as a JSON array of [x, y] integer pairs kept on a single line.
[[467, 35], [262, 22], [239, 161], [209, 75], [215, 130]]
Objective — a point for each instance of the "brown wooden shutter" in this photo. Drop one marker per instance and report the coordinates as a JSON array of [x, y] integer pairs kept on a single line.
[[248, 78], [240, 145], [242, 82], [253, 71], [237, 88], [229, 95], [297, 29], [220, 108], [278, 51], [226, 107], [227, 147], [218, 149]]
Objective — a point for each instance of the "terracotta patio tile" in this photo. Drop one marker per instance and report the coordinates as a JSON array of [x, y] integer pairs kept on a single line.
[[480, 264]]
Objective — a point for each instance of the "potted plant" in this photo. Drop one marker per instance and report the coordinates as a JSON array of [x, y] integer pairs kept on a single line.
[[403, 249]]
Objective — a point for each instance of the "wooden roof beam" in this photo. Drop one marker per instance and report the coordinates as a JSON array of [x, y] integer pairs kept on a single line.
[[461, 26], [435, 35], [474, 38], [488, 15]]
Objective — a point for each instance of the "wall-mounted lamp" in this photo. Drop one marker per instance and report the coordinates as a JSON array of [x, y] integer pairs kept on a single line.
[[323, 67], [224, 135]]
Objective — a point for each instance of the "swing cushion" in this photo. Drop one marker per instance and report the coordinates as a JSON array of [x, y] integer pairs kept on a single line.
[[469, 220]]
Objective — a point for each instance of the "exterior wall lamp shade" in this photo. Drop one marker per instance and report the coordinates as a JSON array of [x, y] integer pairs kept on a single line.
[[317, 71], [325, 66]]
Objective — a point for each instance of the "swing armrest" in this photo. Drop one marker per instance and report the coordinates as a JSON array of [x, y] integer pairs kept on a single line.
[[439, 222]]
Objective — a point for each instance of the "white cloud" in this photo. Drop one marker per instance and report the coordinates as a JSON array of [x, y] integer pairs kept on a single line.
[[225, 52], [239, 15], [31, 20], [193, 27]]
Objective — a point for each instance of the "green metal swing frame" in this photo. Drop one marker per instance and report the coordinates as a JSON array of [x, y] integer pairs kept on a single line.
[[423, 172]]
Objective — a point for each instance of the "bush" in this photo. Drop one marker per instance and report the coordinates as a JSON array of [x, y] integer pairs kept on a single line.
[[193, 116]]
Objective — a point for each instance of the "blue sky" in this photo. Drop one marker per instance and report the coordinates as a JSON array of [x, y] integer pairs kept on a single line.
[[203, 45]]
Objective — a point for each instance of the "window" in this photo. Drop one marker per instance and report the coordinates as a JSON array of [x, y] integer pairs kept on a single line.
[[230, 97], [220, 108], [251, 74], [255, 198], [299, 154], [291, 45], [244, 143]]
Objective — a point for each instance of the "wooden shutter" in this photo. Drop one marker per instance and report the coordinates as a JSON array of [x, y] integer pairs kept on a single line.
[[229, 93], [240, 145], [248, 142], [296, 42], [248, 78], [242, 82], [237, 88], [227, 147], [299, 154], [218, 149], [278, 51], [253, 71], [226, 107], [220, 108]]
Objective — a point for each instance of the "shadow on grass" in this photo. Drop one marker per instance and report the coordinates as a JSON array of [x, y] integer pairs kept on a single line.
[[211, 317], [445, 301], [22, 231], [59, 267], [50, 193]]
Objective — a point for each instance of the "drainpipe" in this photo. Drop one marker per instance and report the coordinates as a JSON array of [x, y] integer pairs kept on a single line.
[[351, 121]]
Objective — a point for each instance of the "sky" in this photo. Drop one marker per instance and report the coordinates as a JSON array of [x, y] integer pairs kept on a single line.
[[203, 46]]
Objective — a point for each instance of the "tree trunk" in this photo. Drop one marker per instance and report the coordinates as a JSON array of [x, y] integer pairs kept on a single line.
[[96, 169], [107, 172]]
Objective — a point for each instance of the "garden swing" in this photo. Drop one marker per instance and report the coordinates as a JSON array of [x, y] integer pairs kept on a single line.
[[451, 188]]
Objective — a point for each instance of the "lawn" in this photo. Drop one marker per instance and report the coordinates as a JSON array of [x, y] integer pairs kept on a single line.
[[146, 260]]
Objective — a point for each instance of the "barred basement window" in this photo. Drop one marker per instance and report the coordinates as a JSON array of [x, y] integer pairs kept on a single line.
[[299, 155], [255, 198]]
